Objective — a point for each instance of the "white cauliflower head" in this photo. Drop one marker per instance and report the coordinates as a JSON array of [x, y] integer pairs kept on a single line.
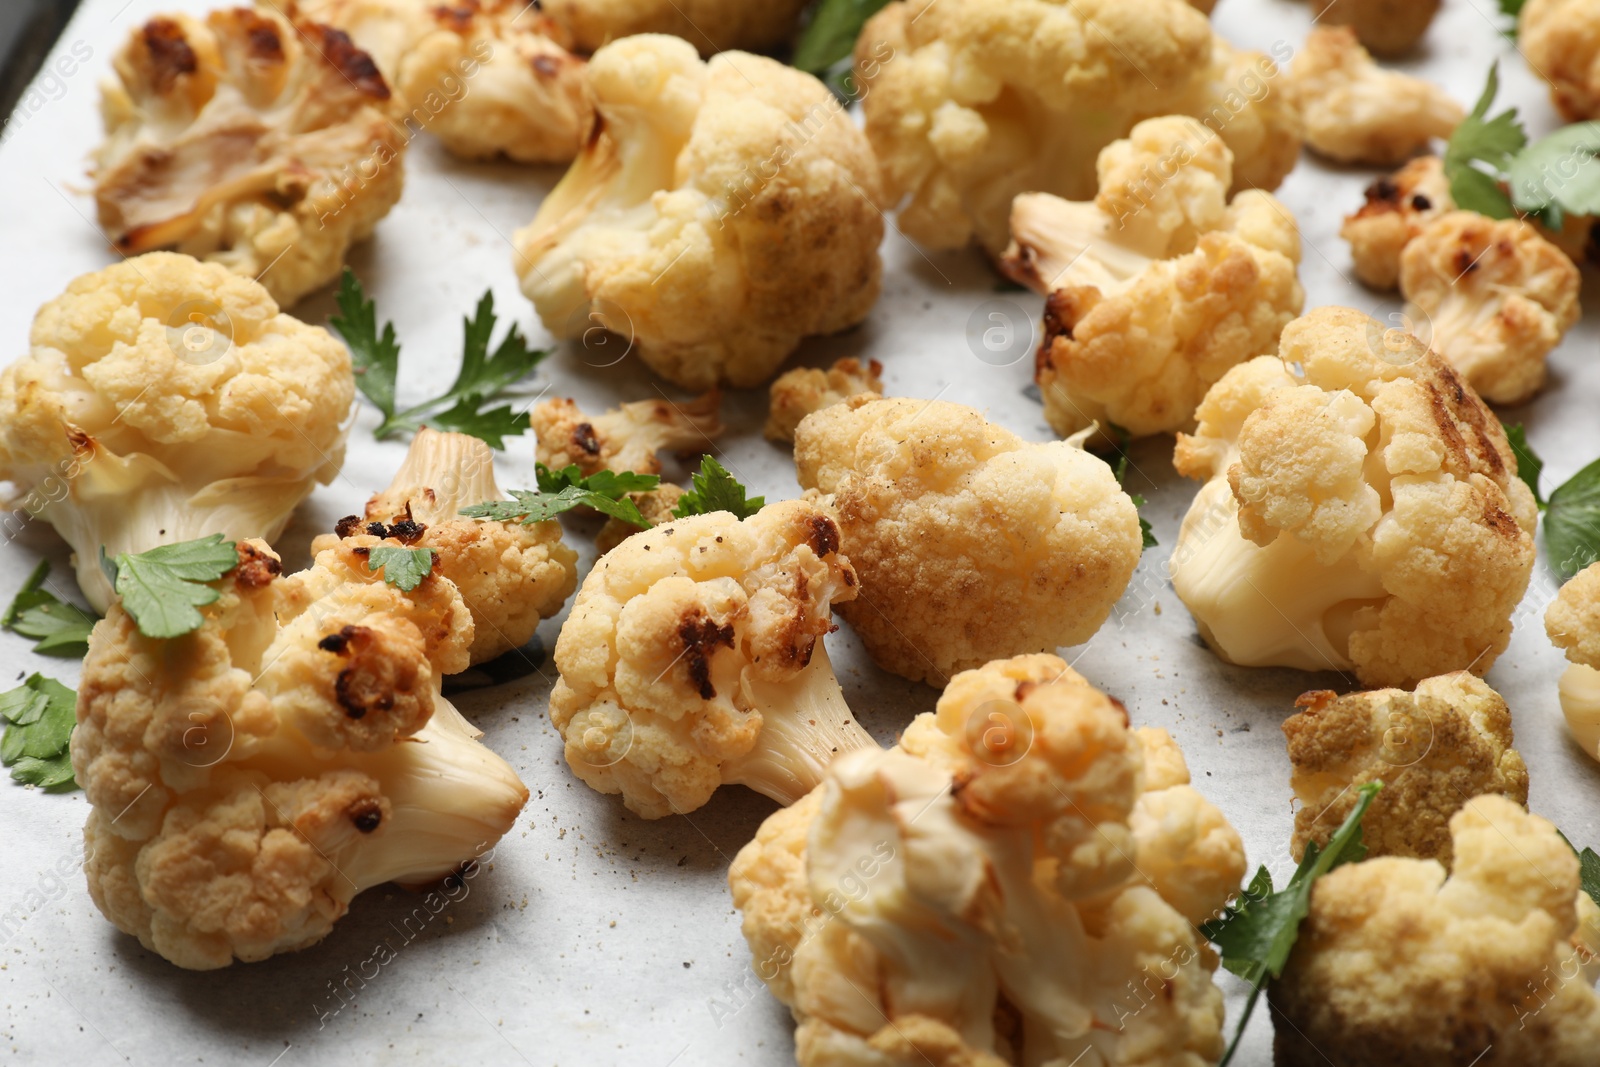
[[969, 103], [1362, 510], [1492, 297], [487, 77], [1399, 963], [164, 399], [1357, 112], [693, 658], [1398, 207], [719, 212], [1387, 27], [997, 889], [1561, 40], [248, 779], [971, 543], [709, 25], [798, 392], [266, 145], [626, 437], [1572, 622], [1158, 286]]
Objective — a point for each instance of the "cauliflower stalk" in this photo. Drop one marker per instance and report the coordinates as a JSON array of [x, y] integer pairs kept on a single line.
[[164, 399], [1361, 512], [985, 895], [248, 779], [1572, 622], [969, 103], [718, 213], [1156, 287], [266, 145], [971, 543], [693, 658]]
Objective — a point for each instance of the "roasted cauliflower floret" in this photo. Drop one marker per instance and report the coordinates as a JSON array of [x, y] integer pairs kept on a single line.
[[1157, 287], [164, 399], [1492, 297], [656, 505], [1573, 623], [625, 438], [978, 894], [1357, 112], [969, 103], [709, 25], [1397, 209], [971, 543], [251, 777], [1387, 27], [1399, 963], [693, 658], [797, 393], [719, 213], [266, 145], [487, 77], [512, 576], [1561, 40], [1433, 749], [1362, 510]]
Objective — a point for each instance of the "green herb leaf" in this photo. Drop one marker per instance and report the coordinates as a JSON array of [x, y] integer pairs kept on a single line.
[[831, 35], [1512, 8], [376, 356], [530, 507], [1529, 465], [39, 716], [717, 490], [1557, 175], [1572, 522], [613, 484], [403, 568], [162, 588], [492, 426], [1145, 533], [1588, 869], [1257, 932], [1480, 153], [60, 628]]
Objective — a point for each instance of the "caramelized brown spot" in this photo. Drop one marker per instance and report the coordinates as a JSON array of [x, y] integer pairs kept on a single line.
[[347, 526], [366, 814], [700, 637], [824, 538], [1421, 203], [458, 18], [170, 55], [1023, 689], [263, 42], [353, 63], [256, 568], [1316, 699], [337, 643], [1120, 706], [1383, 191], [407, 532], [583, 436]]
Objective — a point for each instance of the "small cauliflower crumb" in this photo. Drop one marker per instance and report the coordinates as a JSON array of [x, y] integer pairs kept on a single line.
[[626, 437], [798, 392]]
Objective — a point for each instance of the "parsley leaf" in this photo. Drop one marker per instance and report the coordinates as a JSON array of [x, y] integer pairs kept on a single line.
[[1513, 8], [1529, 465], [611, 484], [567, 488], [403, 568], [162, 588], [39, 716], [61, 629], [376, 356], [1480, 153], [830, 37], [1588, 869], [717, 490], [1146, 535], [1120, 469], [1572, 522], [1557, 175], [1257, 932]]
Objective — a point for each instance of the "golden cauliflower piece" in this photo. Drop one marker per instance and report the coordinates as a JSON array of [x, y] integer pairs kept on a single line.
[[797, 393], [251, 777], [656, 505], [1362, 510], [1357, 112], [1561, 40], [709, 25], [1397, 209], [165, 399], [1572, 622], [1387, 27], [1158, 286], [693, 658], [719, 213], [1399, 963], [1491, 297], [512, 576], [487, 77], [993, 890], [1433, 749], [969, 103], [625, 438], [265, 145], [971, 543]]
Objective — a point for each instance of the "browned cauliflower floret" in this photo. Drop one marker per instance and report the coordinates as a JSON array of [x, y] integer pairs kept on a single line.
[[1433, 749], [1398, 207], [720, 212], [1561, 40], [797, 393], [693, 658], [1357, 112], [1158, 286], [984, 893], [625, 438], [486, 77], [266, 145], [251, 777], [1362, 510], [1387, 27], [165, 399], [709, 25], [1573, 623], [969, 103], [971, 543], [1491, 297], [512, 576], [1398, 963]]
